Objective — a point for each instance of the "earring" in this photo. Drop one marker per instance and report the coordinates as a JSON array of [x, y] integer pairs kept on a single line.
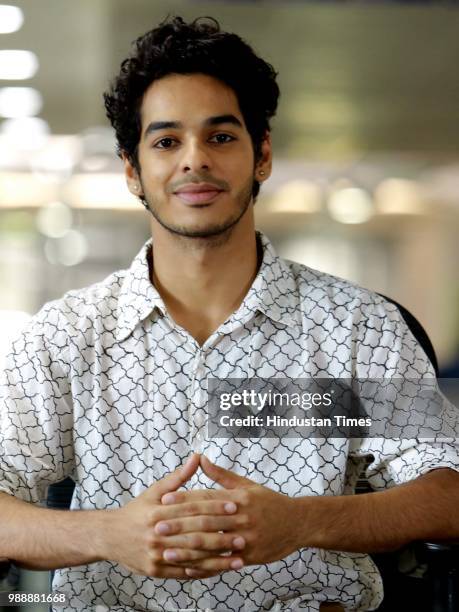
[[136, 187]]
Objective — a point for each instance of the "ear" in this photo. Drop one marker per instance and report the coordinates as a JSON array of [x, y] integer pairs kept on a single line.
[[132, 177], [264, 165]]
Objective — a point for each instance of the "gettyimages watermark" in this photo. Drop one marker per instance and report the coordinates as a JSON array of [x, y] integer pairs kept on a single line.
[[390, 408]]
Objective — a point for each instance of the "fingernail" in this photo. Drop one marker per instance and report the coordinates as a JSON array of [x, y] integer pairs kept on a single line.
[[170, 555], [192, 573], [237, 564], [230, 507], [162, 528], [239, 542], [168, 498]]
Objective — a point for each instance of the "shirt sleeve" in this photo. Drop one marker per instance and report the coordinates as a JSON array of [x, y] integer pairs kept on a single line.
[[388, 349], [36, 411]]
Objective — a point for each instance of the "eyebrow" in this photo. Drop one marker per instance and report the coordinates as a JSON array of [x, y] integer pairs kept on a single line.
[[156, 126]]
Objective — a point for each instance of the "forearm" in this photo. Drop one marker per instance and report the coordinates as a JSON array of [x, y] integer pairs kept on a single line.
[[425, 508], [43, 539]]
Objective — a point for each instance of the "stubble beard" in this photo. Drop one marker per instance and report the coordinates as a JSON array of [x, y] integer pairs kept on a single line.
[[214, 234]]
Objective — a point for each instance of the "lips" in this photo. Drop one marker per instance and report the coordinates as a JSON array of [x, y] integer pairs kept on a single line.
[[201, 193]]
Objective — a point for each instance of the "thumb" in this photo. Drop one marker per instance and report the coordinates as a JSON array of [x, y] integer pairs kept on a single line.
[[226, 478], [174, 480]]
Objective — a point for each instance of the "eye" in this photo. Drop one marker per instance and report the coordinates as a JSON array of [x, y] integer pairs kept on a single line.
[[222, 138], [164, 143]]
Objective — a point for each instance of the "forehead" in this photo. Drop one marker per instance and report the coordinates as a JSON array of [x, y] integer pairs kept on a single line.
[[188, 98]]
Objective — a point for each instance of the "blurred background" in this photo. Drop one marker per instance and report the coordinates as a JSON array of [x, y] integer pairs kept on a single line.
[[366, 169]]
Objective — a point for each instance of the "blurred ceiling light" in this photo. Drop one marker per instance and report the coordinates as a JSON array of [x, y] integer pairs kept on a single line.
[[350, 205], [56, 161], [19, 189], [54, 219], [69, 250], [298, 196], [98, 140], [11, 18], [26, 133], [323, 109], [16, 102], [399, 197], [16, 65], [105, 190], [94, 163]]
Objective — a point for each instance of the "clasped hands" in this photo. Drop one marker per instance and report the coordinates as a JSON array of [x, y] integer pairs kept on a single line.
[[200, 533]]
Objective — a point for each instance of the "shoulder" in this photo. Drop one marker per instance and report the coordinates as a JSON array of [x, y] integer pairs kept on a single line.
[[77, 316], [321, 292], [339, 312]]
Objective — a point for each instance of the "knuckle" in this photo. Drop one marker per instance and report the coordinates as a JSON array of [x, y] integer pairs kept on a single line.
[[151, 540], [156, 556], [153, 569], [204, 523], [192, 508], [196, 541], [243, 520], [152, 518], [244, 497]]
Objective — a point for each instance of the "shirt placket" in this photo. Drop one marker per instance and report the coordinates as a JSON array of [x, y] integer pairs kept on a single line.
[[197, 415], [197, 410]]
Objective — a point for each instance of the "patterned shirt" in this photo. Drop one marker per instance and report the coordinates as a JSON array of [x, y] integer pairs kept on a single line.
[[105, 387]]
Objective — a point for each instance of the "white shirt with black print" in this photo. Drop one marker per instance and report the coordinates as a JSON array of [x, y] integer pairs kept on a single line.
[[105, 387]]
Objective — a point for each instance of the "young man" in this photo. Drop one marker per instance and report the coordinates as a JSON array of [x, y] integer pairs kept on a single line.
[[109, 384]]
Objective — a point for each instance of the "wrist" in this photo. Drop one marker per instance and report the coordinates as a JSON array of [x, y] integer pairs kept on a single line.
[[100, 534], [310, 516], [300, 520]]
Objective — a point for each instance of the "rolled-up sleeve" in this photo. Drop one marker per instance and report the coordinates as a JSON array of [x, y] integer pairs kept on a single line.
[[36, 411], [392, 461]]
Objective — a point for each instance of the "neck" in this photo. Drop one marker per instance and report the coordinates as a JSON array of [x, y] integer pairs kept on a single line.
[[202, 281]]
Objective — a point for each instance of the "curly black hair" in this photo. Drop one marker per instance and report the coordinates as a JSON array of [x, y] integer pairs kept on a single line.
[[187, 48]]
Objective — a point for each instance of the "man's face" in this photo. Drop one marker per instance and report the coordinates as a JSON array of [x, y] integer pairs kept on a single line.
[[195, 155]]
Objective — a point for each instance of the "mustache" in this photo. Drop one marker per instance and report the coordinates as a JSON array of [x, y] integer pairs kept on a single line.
[[196, 178]]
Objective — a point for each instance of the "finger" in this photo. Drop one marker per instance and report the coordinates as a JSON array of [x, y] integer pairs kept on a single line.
[[203, 541], [182, 556], [180, 497], [194, 509], [175, 479], [180, 573], [219, 564], [203, 523], [226, 478], [200, 575]]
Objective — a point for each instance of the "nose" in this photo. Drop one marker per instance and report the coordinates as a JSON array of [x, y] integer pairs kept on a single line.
[[195, 158]]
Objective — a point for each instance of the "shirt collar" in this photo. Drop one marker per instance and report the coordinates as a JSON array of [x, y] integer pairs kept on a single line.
[[138, 297], [273, 291]]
